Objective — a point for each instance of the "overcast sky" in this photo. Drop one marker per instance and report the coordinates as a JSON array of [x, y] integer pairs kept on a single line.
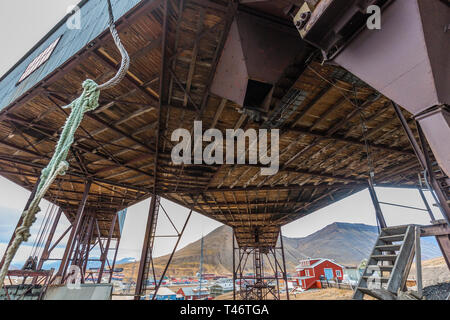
[[23, 23]]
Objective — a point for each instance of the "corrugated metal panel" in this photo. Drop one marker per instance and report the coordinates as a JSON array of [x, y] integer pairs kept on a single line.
[[94, 20]]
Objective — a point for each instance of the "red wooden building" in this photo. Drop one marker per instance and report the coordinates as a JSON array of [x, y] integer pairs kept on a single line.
[[190, 293], [310, 271]]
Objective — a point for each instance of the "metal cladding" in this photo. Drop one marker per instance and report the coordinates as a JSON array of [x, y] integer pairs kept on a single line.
[[407, 61], [254, 51], [277, 8], [436, 126]]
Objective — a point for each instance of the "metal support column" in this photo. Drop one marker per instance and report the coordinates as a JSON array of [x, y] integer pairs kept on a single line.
[[88, 248], [171, 257], [376, 204], [276, 272], [105, 252], [45, 252], [442, 198], [147, 247], [427, 206], [114, 260], [75, 229], [259, 282], [424, 160], [234, 266], [284, 266]]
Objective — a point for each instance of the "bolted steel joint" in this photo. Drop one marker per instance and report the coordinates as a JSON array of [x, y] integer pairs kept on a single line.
[[303, 20]]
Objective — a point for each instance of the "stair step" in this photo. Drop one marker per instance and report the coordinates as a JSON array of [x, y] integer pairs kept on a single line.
[[380, 268], [388, 247], [393, 238], [368, 292], [390, 231], [384, 257], [382, 279], [364, 290]]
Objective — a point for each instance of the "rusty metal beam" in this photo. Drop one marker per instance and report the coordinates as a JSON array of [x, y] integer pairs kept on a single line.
[[104, 255], [75, 229]]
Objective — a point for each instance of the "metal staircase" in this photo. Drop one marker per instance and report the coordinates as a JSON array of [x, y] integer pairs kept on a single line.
[[389, 263], [149, 268]]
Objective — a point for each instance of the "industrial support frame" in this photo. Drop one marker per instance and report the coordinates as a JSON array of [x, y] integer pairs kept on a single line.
[[260, 284], [80, 243], [434, 187]]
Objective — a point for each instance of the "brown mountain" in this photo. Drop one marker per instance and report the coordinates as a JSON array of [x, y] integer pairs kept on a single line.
[[346, 243]]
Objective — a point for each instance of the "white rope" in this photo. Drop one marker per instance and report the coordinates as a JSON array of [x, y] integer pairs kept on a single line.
[[58, 165]]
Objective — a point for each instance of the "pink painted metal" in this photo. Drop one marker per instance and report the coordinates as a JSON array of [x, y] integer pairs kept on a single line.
[[436, 127], [254, 50], [407, 60]]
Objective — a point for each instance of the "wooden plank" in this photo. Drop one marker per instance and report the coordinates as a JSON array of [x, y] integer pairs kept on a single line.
[[441, 229], [418, 262], [402, 262]]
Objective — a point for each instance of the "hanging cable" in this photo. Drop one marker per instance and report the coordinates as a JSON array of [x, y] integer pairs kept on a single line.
[[47, 225], [370, 163], [366, 140], [39, 233]]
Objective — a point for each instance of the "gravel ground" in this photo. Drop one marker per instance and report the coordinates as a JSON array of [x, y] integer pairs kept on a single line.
[[437, 292]]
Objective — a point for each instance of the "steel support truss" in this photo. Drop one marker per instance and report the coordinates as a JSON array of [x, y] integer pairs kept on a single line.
[[436, 185], [86, 240], [148, 281], [85, 236], [259, 271]]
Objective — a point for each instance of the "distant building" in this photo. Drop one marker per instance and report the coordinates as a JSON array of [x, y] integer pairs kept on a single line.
[[221, 286], [310, 271], [164, 294], [151, 283], [207, 276], [193, 293], [352, 274]]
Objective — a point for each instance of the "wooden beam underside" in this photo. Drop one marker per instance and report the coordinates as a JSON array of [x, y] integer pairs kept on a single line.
[[124, 146]]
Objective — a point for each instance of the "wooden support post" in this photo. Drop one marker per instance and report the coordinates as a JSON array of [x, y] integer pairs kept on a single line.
[[418, 263], [104, 256], [75, 229], [444, 245], [19, 223]]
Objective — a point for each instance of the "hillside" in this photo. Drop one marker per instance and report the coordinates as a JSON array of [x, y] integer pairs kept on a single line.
[[346, 243], [434, 271]]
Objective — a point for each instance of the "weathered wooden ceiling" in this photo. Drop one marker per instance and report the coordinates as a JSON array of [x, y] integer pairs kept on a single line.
[[323, 154]]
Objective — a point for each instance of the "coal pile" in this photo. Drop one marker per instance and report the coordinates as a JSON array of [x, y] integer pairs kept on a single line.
[[437, 292]]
